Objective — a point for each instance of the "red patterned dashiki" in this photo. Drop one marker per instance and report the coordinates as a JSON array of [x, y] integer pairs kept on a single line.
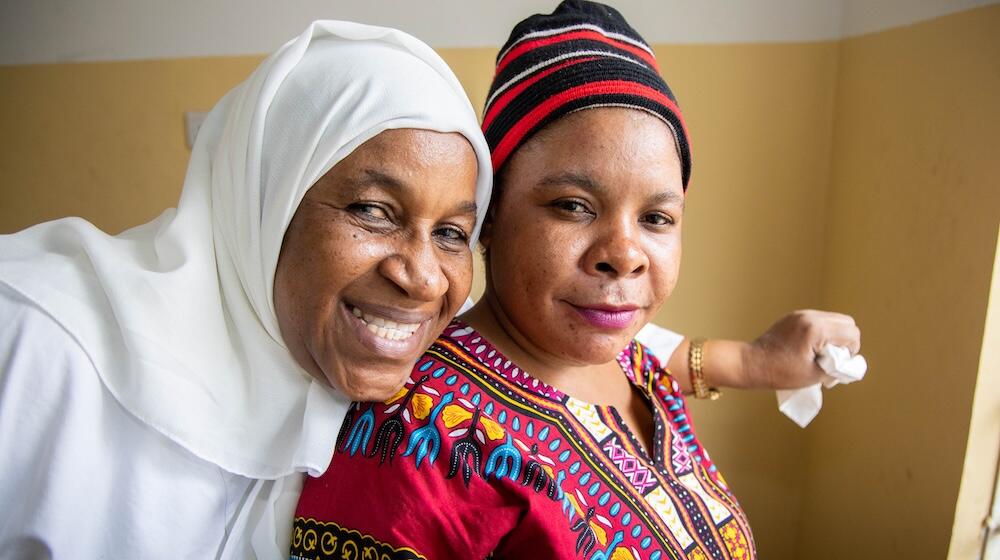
[[474, 458]]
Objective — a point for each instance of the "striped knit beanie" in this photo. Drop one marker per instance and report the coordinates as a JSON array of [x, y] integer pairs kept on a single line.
[[582, 55]]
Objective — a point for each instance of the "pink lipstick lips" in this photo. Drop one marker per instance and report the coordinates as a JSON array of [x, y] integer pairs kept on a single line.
[[607, 318]]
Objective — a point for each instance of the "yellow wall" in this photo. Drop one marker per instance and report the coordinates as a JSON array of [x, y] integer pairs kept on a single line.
[[760, 119], [913, 212], [105, 141]]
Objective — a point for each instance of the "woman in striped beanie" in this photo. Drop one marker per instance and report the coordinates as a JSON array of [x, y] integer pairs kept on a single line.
[[582, 56], [586, 56], [592, 159]]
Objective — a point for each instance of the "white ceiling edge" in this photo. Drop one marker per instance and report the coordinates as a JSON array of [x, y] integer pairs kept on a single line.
[[47, 31], [869, 16]]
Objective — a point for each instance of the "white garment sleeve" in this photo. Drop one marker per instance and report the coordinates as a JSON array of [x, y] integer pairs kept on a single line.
[[81, 477], [661, 341]]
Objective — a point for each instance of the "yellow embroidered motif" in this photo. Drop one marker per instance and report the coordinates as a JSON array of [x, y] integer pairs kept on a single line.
[[397, 396], [454, 415], [600, 533], [697, 554], [493, 430], [317, 540], [621, 553], [664, 507], [422, 405], [736, 541], [587, 415]]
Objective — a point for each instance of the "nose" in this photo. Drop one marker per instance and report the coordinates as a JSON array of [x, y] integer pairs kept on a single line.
[[415, 269], [617, 252]]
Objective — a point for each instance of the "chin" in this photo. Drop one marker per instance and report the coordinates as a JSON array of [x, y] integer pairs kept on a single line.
[[596, 350], [373, 387]]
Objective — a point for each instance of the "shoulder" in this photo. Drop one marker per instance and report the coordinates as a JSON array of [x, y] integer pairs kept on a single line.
[[650, 369], [660, 341], [440, 417], [39, 359], [24, 323], [58, 419], [446, 421]]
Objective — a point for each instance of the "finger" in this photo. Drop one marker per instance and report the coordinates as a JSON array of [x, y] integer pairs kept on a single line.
[[831, 317], [848, 336]]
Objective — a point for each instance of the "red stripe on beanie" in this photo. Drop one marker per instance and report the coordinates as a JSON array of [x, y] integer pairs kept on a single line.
[[513, 137], [592, 35], [493, 110]]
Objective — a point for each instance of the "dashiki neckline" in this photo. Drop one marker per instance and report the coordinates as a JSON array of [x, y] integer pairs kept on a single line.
[[603, 421]]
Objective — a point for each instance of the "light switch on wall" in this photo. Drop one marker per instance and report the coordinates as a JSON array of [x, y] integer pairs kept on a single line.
[[192, 123]]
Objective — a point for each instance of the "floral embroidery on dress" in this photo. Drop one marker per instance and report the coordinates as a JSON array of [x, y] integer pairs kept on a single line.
[[478, 432]]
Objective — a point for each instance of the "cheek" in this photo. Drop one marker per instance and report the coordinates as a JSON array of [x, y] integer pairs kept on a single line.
[[534, 258], [458, 271], [343, 252], [666, 267], [326, 259]]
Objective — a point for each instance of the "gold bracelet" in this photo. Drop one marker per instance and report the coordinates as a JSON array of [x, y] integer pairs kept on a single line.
[[696, 360]]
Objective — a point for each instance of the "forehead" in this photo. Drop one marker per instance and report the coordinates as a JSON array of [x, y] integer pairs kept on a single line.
[[415, 146], [423, 165], [411, 156], [608, 144]]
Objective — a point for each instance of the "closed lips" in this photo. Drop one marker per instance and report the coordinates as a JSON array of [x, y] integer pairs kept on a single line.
[[385, 328]]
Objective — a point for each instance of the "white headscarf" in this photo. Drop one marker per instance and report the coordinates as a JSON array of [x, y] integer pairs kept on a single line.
[[177, 315]]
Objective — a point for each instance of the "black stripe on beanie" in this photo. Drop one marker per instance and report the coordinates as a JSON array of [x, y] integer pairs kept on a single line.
[[573, 12], [573, 48], [596, 70], [621, 100]]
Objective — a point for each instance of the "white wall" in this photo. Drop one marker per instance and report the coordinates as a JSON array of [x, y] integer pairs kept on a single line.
[[867, 16], [40, 31]]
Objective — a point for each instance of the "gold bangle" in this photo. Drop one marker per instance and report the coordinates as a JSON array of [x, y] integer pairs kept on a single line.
[[696, 360]]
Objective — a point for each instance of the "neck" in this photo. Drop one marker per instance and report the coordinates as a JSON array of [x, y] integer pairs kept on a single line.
[[575, 378]]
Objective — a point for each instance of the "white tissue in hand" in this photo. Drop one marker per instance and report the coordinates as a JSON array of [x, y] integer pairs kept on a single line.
[[802, 405]]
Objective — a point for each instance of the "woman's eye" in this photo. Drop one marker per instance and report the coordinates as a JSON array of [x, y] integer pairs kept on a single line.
[[658, 219], [572, 206], [452, 234], [369, 211]]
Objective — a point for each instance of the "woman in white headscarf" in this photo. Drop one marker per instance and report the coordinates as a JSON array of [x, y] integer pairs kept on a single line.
[[162, 390]]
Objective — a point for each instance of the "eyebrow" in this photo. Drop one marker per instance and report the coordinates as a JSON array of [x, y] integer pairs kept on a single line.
[[668, 197], [588, 183], [571, 178], [375, 177]]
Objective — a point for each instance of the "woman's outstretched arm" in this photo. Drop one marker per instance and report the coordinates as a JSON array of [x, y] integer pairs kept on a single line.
[[783, 357]]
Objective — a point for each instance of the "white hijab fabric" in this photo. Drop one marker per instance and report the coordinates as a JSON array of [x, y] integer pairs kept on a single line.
[[177, 315]]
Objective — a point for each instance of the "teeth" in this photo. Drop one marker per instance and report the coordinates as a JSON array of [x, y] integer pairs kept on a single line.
[[385, 328]]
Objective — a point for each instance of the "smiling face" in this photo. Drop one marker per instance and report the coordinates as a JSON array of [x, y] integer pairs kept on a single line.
[[585, 239], [376, 261]]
